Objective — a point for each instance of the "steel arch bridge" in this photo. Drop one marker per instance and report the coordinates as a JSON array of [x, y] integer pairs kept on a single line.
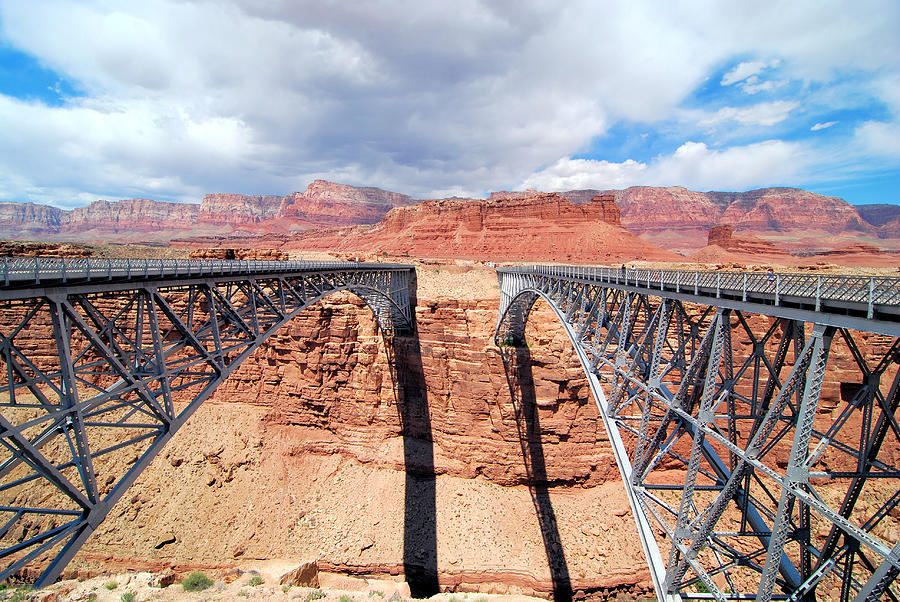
[[102, 361], [753, 418]]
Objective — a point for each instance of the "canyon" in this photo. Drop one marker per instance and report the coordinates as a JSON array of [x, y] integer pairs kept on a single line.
[[307, 454]]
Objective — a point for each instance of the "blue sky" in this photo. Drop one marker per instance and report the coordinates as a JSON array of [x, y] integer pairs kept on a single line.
[[171, 100]]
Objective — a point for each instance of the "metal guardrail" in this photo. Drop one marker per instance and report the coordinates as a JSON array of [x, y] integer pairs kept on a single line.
[[814, 288], [34, 270]]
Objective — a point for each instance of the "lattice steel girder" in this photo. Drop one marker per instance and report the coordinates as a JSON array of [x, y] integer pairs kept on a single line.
[[760, 448], [98, 374]]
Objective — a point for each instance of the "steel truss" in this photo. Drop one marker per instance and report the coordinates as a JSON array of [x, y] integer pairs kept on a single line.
[[98, 373], [746, 481]]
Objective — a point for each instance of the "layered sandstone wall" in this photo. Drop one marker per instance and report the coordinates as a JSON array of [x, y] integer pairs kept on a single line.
[[538, 227], [134, 215], [646, 208], [673, 218], [18, 218], [323, 204], [791, 209], [327, 366], [237, 209]]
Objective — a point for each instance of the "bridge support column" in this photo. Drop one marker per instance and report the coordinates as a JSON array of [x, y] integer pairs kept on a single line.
[[797, 472]]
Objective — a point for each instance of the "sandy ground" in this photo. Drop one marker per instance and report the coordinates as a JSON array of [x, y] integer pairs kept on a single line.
[[258, 581]]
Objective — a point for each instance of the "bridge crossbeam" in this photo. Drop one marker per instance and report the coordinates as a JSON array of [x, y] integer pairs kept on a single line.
[[98, 373], [759, 450]]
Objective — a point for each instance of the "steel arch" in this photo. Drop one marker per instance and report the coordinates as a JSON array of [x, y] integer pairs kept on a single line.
[[758, 509], [100, 372]]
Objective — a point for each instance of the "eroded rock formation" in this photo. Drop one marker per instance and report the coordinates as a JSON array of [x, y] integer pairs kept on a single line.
[[134, 215], [22, 219], [674, 218], [722, 236], [538, 227], [42, 249], [323, 204], [237, 209]]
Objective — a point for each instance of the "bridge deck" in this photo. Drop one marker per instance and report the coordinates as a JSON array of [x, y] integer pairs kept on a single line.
[[857, 302], [25, 277]]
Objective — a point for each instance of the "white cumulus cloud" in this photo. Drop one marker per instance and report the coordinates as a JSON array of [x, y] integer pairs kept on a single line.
[[693, 165]]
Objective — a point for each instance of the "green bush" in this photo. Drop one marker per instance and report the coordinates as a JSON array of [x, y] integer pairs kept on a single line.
[[316, 594], [111, 585], [255, 580], [196, 581], [346, 598], [19, 594], [127, 597]]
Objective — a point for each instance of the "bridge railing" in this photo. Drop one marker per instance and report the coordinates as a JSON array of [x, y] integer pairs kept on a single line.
[[19, 270], [870, 291]]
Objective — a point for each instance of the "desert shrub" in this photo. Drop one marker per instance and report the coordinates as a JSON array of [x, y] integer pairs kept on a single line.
[[110, 585], [196, 581], [285, 588], [346, 598], [127, 597], [20, 594], [316, 594], [255, 580]]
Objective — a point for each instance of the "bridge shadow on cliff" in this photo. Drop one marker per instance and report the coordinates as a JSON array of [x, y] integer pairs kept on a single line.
[[420, 523], [517, 364]]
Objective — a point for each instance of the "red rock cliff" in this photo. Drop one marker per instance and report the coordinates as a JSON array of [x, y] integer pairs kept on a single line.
[[135, 215], [329, 204], [237, 209], [791, 209], [22, 218]]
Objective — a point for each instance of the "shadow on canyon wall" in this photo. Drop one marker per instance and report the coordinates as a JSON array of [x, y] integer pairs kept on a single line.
[[420, 506], [517, 363], [419, 525]]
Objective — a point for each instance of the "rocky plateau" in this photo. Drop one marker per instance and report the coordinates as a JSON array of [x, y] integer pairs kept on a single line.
[[636, 223]]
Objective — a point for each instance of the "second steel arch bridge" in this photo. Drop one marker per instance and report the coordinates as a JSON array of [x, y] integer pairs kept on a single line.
[[753, 417]]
